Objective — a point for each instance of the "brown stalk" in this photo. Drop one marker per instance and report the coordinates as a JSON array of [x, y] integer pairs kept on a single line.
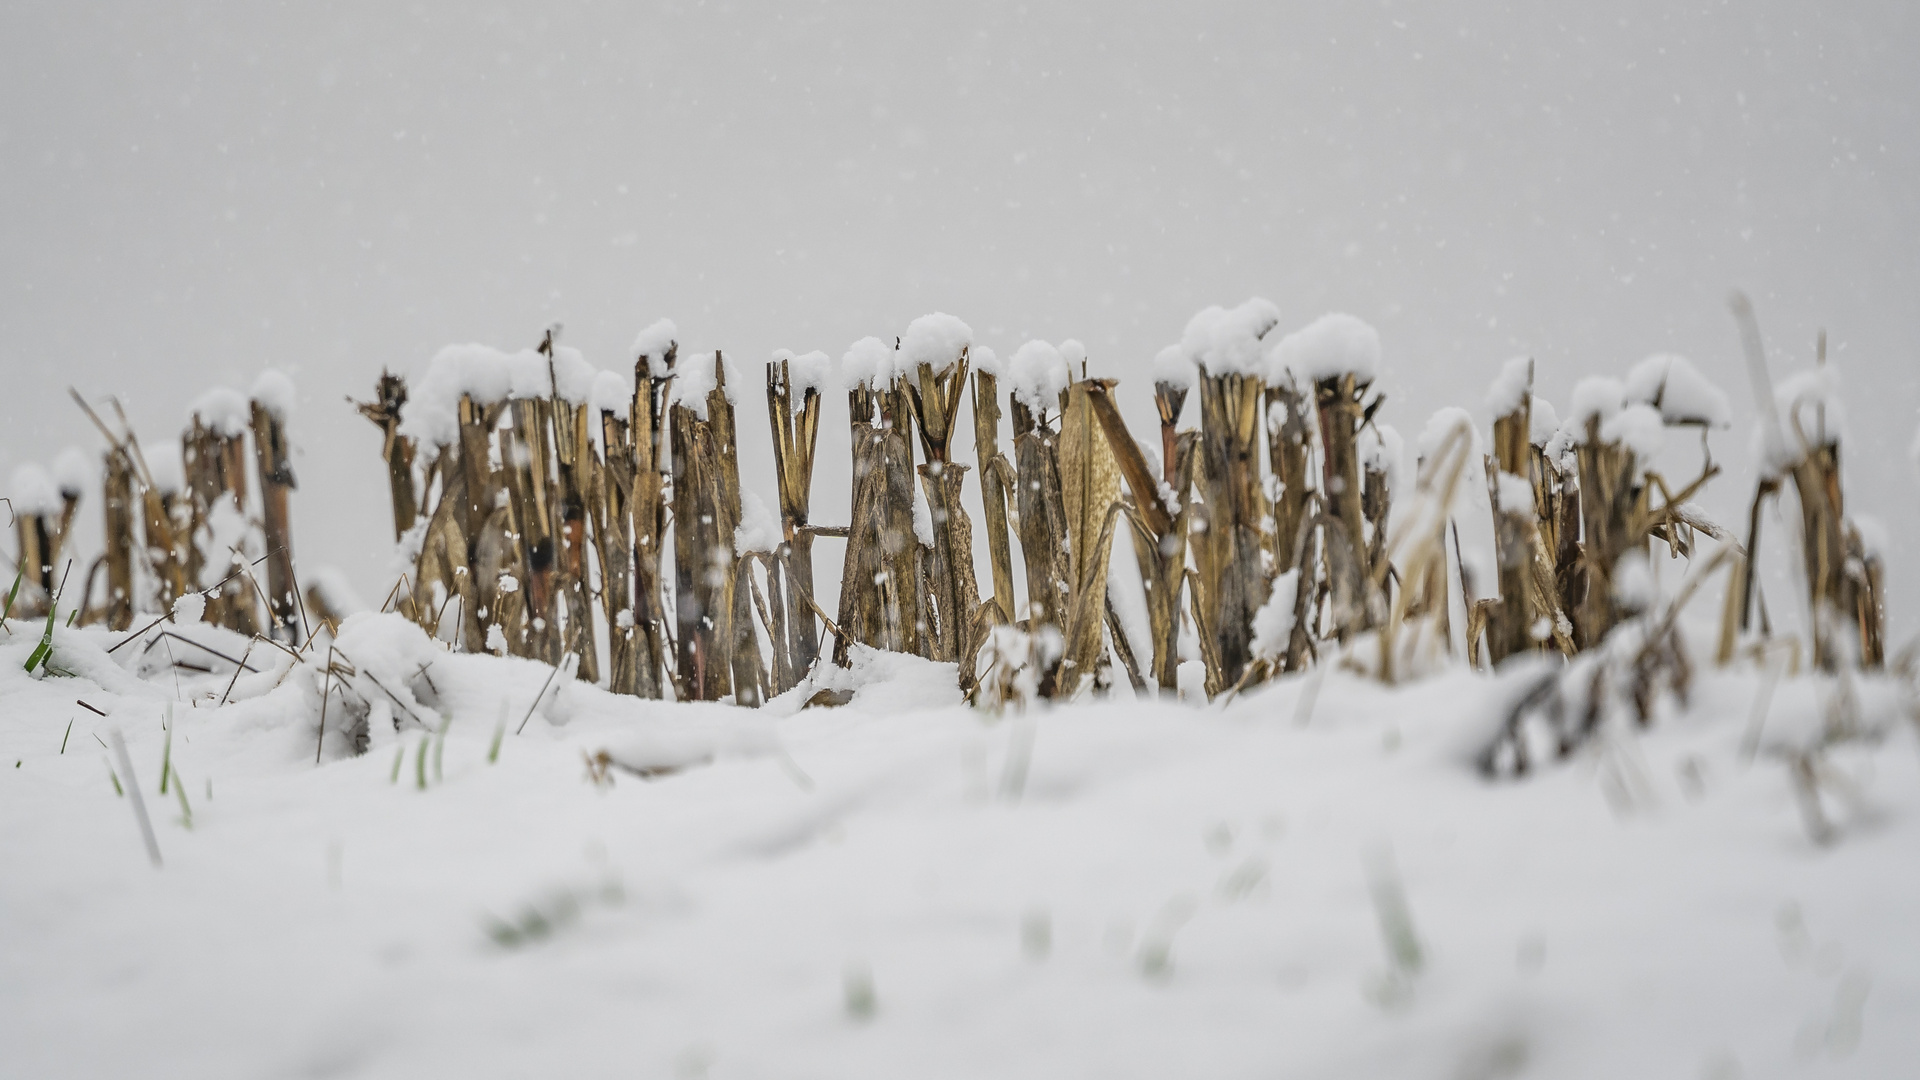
[[1229, 542], [390, 394], [276, 482], [993, 489], [796, 433], [651, 376]]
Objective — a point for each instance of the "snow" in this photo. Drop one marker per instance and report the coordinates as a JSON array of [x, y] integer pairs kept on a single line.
[[1230, 341], [1329, 347], [32, 491], [165, 467], [572, 376], [986, 361], [696, 375], [1125, 888], [432, 413], [939, 340], [1596, 396], [1684, 396], [1173, 366], [612, 393], [1440, 425], [922, 517], [189, 607], [1515, 493], [223, 411], [867, 362], [1638, 427], [1383, 450], [75, 471], [655, 340], [1037, 375], [1876, 540], [1633, 585], [1812, 411], [1273, 623], [1511, 388], [1543, 422], [808, 371], [274, 392], [1075, 354], [759, 528]]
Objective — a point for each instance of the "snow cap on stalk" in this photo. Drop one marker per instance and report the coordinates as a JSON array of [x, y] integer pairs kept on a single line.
[[222, 411], [867, 363], [612, 392], [1037, 374], [1544, 422], [1330, 346], [938, 340], [168, 474], [1173, 366], [32, 491], [986, 361], [570, 377], [1075, 354], [1595, 397], [1227, 341], [275, 393], [655, 340], [432, 415], [696, 375], [73, 471], [1638, 428], [811, 370], [1510, 388], [758, 530], [1673, 385]]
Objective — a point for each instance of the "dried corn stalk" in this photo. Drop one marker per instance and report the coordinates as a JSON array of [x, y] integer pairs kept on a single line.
[[1227, 543], [935, 398], [796, 641], [276, 481]]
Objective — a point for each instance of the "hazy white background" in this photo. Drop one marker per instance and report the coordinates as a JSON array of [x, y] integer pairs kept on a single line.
[[190, 193]]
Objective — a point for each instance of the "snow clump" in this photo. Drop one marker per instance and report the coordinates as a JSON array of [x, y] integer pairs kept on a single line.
[[1673, 385], [1273, 623], [222, 411], [697, 375], [275, 393], [986, 361], [32, 491], [1638, 428], [805, 371], [1595, 397], [1173, 367], [938, 340], [1038, 374], [758, 530], [868, 364], [655, 340], [1225, 341], [1329, 347], [1511, 387], [73, 471], [167, 473], [612, 393]]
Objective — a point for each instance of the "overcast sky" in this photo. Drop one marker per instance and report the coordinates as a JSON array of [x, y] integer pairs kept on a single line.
[[189, 194]]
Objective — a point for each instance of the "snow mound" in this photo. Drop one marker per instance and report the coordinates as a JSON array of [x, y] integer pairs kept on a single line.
[[222, 411], [1329, 347], [274, 392], [1037, 375], [938, 340], [1673, 385], [655, 340], [32, 491]]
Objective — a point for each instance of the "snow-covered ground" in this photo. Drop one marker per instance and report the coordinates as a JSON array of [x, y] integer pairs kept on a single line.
[[903, 886]]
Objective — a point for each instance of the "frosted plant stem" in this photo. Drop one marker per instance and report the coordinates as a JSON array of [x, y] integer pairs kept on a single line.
[[133, 790]]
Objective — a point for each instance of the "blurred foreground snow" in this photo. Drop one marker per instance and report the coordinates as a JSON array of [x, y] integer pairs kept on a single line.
[[1312, 881]]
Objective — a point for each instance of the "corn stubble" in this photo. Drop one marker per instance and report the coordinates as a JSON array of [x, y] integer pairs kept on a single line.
[[544, 524]]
